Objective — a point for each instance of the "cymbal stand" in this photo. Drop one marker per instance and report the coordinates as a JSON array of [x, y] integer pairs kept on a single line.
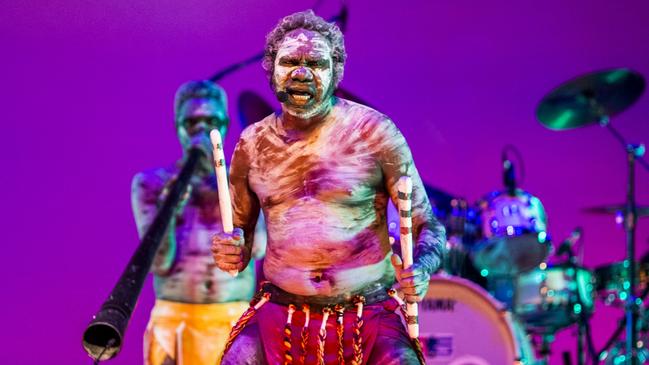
[[544, 351], [620, 328], [606, 123], [634, 153]]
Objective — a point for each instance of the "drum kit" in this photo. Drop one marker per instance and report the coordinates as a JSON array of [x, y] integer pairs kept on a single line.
[[504, 291]]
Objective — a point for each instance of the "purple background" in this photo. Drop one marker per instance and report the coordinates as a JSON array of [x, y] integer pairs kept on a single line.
[[87, 90]]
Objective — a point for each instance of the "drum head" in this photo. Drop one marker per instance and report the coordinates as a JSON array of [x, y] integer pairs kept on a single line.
[[546, 298], [514, 233], [510, 255], [461, 325]]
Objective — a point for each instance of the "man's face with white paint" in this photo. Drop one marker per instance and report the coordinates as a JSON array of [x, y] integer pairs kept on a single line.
[[198, 117], [304, 71]]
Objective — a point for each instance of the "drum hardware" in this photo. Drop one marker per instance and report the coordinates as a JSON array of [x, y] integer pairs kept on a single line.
[[545, 347], [595, 98], [584, 334], [607, 352], [617, 210], [617, 355], [567, 246]]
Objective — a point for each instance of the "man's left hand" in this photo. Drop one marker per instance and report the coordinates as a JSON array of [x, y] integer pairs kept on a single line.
[[413, 281]]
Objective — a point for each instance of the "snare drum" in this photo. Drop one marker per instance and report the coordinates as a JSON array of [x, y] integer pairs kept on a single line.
[[460, 324], [552, 298]]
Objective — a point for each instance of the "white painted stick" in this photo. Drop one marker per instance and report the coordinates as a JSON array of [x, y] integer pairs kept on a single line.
[[225, 204], [405, 220]]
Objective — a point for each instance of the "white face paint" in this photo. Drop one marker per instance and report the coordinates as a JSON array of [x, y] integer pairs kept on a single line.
[[199, 116], [304, 71]]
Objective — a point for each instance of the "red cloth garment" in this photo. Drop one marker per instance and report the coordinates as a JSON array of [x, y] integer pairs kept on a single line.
[[271, 319]]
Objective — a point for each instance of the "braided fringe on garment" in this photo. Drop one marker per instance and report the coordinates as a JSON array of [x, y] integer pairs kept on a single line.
[[418, 350], [244, 319], [416, 344], [305, 333], [340, 311], [288, 358], [357, 359], [322, 336]]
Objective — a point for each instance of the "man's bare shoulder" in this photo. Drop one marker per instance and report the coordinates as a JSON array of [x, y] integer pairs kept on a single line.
[[154, 178], [259, 128], [370, 122], [361, 114]]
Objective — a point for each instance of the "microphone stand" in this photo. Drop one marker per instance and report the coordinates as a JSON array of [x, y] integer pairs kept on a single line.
[[634, 153]]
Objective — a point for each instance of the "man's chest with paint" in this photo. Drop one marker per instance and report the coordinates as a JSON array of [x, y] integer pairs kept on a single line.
[[333, 173]]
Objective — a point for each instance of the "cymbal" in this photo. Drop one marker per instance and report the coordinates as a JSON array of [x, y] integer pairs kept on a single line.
[[586, 99], [642, 211]]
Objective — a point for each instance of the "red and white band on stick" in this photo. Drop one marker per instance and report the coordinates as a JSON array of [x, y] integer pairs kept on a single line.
[[225, 204], [405, 220]]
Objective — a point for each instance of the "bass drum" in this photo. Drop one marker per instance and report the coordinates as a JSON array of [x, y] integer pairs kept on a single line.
[[460, 324]]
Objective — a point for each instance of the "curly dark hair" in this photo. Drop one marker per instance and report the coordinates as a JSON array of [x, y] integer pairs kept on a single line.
[[198, 89], [306, 20]]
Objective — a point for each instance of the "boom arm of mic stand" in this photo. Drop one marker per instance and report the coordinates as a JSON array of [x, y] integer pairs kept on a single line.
[[341, 17], [104, 335], [226, 71]]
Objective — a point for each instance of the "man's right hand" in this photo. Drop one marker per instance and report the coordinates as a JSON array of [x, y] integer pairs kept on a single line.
[[229, 250]]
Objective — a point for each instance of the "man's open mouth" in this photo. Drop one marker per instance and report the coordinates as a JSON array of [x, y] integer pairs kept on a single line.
[[300, 95]]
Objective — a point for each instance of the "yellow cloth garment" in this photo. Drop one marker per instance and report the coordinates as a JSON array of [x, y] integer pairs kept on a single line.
[[189, 334]]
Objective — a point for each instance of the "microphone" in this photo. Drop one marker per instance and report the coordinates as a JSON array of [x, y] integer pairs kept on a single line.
[[509, 176], [566, 246]]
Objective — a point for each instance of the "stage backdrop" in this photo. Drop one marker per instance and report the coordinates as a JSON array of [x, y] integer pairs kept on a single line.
[[87, 90]]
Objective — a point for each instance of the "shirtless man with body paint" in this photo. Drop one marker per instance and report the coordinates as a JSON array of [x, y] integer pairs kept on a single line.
[[196, 303], [322, 172]]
